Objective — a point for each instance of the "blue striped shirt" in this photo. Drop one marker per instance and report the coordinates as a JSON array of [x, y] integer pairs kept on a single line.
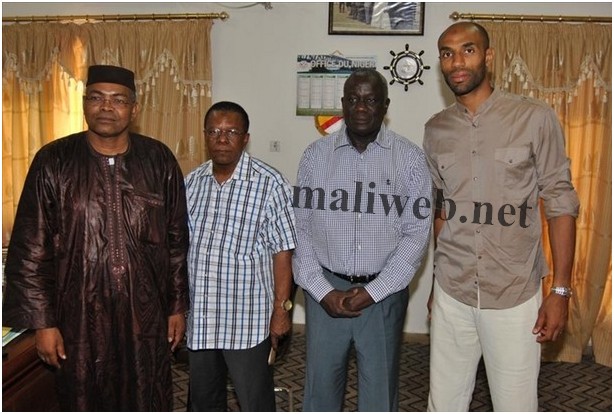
[[235, 229], [356, 212]]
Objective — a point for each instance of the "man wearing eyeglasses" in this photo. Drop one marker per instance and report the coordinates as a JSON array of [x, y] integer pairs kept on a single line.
[[358, 251], [239, 264], [97, 259]]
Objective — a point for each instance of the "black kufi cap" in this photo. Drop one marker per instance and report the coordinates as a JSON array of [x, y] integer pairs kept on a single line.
[[111, 74]]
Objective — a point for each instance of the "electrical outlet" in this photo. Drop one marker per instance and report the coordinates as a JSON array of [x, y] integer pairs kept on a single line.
[[274, 146]]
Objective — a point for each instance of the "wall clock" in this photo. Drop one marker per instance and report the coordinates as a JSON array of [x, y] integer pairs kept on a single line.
[[406, 67]]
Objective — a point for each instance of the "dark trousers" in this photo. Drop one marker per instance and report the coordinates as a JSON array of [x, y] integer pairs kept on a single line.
[[376, 337], [251, 376]]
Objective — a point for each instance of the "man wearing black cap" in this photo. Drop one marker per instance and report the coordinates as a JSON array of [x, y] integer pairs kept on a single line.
[[97, 259]]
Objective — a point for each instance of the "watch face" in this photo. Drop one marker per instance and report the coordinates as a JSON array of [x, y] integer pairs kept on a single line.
[[407, 67]]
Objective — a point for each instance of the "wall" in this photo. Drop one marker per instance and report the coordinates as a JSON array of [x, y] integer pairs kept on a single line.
[[254, 59]]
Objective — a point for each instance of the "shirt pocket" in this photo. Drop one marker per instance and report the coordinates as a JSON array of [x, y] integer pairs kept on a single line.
[[449, 171], [239, 236], [149, 212], [514, 170]]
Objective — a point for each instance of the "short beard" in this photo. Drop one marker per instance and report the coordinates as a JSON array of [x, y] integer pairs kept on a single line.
[[474, 82]]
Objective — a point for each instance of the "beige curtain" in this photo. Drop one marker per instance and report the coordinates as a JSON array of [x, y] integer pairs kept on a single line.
[[44, 67], [569, 66]]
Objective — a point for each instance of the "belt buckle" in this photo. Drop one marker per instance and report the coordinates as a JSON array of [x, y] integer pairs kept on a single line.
[[357, 278]]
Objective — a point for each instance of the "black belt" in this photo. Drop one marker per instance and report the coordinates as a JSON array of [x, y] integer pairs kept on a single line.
[[353, 278]]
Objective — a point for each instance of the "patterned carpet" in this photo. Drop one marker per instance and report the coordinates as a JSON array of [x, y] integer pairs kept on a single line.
[[585, 386]]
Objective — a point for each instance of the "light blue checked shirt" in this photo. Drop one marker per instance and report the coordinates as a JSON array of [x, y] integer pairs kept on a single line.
[[235, 229], [364, 213]]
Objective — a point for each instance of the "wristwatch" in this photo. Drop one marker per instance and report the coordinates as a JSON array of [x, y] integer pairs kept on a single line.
[[563, 291], [286, 305]]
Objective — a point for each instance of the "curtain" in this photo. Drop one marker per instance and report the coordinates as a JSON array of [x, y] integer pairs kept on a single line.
[[569, 66], [44, 67]]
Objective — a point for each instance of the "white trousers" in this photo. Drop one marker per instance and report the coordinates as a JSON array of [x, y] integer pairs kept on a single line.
[[462, 334]]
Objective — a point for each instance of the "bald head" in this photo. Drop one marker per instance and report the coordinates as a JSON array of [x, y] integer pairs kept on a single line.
[[460, 27]]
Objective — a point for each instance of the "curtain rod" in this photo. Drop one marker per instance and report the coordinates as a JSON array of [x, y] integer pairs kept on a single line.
[[531, 18], [116, 17]]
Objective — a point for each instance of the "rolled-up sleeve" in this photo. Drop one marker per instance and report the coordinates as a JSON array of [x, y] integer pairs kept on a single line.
[[553, 172]]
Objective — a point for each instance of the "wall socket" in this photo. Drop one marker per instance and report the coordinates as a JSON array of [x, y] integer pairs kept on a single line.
[[274, 146]]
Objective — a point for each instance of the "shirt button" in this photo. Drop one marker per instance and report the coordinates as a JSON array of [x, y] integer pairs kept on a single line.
[[475, 178], [477, 231], [479, 257]]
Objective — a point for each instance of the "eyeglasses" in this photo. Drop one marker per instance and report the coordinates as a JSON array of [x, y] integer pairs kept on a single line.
[[370, 102], [115, 102], [230, 134]]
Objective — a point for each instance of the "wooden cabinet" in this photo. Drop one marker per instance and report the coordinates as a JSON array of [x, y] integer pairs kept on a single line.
[[27, 383]]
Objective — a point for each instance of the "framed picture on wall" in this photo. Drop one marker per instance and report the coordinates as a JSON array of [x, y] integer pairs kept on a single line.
[[377, 18]]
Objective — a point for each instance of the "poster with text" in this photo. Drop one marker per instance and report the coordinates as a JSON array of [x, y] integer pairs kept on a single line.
[[320, 79]]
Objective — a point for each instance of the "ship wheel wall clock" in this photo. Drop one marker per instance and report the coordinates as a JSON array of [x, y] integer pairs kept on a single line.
[[406, 67]]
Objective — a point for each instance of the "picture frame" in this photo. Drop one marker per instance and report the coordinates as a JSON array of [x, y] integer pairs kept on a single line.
[[378, 18]]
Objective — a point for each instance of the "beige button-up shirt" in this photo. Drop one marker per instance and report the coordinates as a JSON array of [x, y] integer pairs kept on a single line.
[[493, 167]]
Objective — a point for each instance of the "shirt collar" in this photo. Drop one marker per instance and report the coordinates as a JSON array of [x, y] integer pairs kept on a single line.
[[241, 171], [496, 93], [382, 139]]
